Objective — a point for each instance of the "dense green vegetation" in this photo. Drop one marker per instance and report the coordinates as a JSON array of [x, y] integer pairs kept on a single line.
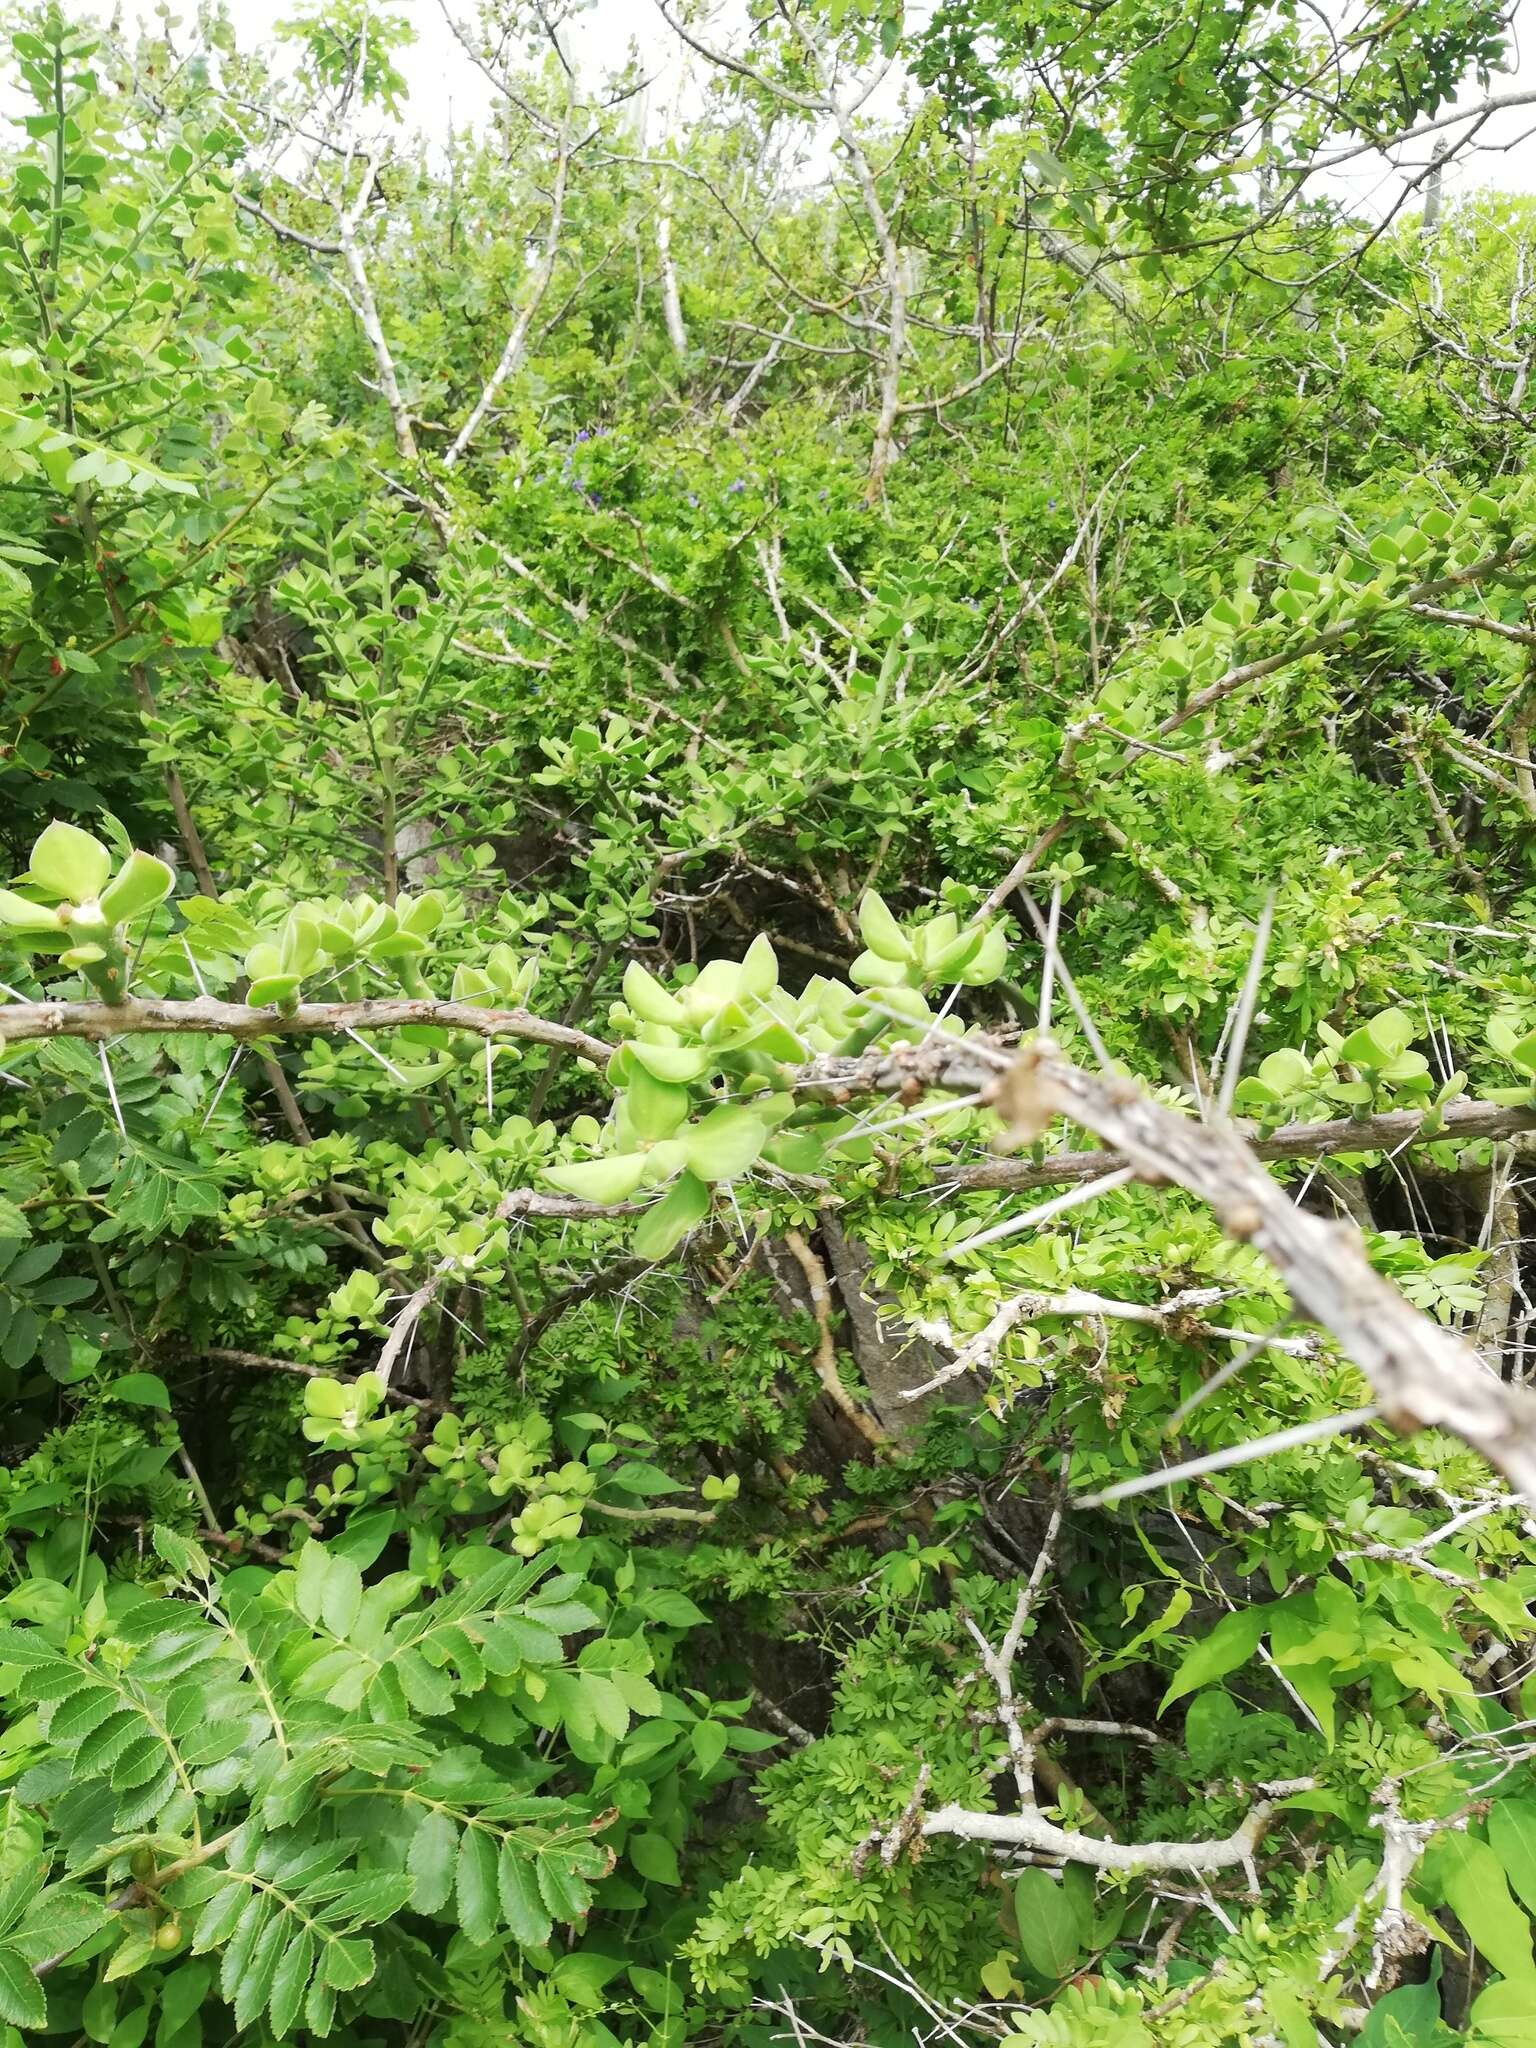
[[568, 700]]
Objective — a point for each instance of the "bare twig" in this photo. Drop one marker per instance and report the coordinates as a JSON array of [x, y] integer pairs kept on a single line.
[[1318, 1430], [1247, 1003], [826, 1350]]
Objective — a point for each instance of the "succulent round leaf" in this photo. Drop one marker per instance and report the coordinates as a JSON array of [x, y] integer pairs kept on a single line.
[[142, 883], [651, 1003], [1285, 1072], [661, 1229], [987, 962], [718, 983], [671, 1062], [69, 862], [725, 1143], [269, 989], [663, 1161], [880, 931], [613, 1179], [18, 915], [876, 970], [760, 969], [655, 1108]]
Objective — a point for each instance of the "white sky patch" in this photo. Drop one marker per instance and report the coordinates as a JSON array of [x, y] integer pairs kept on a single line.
[[447, 91]]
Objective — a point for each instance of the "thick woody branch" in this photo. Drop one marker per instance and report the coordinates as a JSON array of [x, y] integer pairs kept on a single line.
[[1030, 1830], [610, 1280], [511, 356], [961, 1066], [1474, 622], [956, 1065], [211, 1019], [1460, 1124], [1422, 1375], [1176, 1318], [517, 1203], [259, 1361]]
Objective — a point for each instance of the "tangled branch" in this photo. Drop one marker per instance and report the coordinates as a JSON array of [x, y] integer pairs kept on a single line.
[[1423, 1376], [1031, 1830]]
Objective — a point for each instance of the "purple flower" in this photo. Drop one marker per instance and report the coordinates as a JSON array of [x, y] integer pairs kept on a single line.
[[584, 435], [732, 489], [693, 497]]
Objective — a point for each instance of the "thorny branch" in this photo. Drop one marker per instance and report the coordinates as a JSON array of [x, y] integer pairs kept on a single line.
[[207, 1017], [1028, 1828], [1422, 1375], [1176, 1317]]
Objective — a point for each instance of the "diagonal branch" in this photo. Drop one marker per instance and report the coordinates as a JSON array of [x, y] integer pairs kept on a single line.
[[1331, 636], [1422, 1375]]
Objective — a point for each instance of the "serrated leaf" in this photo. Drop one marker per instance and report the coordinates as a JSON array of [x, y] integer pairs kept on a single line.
[[425, 1689], [74, 1718], [347, 1963], [475, 1885], [256, 1979], [134, 1953], [27, 1647], [522, 1905], [187, 1559], [106, 1741], [249, 1927], [57, 1921], [216, 1922], [342, 1596], [563, 1892], [430, 1860], [22, 2002], [290, 1981]]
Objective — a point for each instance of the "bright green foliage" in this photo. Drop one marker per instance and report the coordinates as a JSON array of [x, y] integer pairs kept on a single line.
[[288, 1766], [472, 1572], [87, 921]]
